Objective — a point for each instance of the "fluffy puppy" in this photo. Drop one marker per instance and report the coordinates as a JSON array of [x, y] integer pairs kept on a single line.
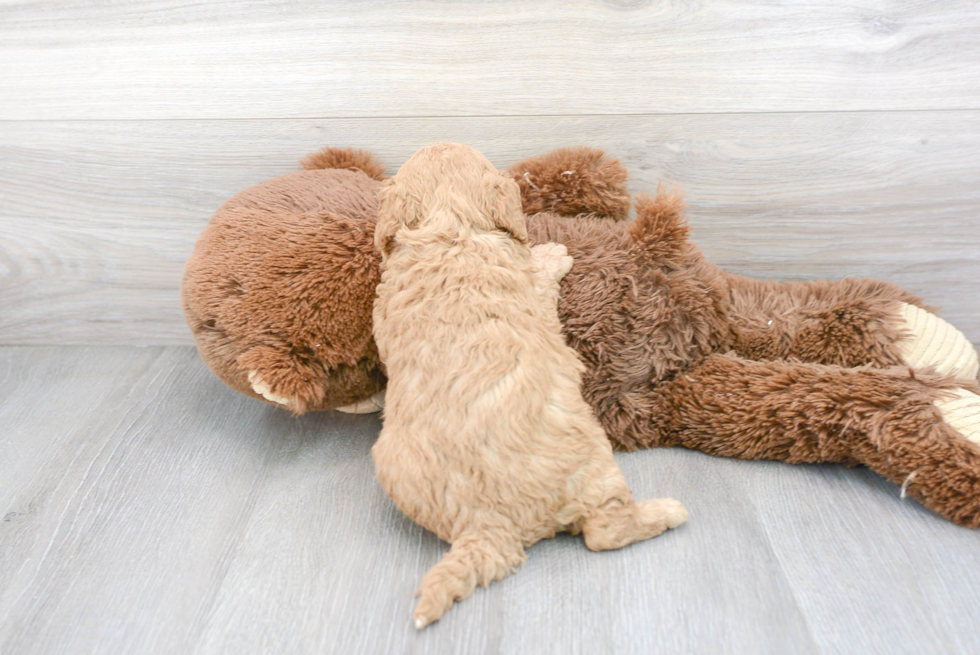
[[487, 441]]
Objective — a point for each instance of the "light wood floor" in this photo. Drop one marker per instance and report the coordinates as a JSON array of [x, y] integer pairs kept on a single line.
[[146, 508], [149, 509]]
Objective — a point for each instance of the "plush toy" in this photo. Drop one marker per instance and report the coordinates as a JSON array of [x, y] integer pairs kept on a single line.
[[279, 291]]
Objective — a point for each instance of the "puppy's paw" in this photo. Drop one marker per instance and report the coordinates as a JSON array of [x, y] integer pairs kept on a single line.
[[962, 413], [669, 510], [934, 342], [373, 404], [262, 388], [552, 259]]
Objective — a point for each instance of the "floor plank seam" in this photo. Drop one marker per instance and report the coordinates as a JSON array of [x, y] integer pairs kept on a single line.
[[394, 117]]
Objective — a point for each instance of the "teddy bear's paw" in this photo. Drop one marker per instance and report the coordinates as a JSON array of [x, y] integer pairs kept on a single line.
[[262, 388], [552, 259], [934, 342], [373, 404], [962, 412]]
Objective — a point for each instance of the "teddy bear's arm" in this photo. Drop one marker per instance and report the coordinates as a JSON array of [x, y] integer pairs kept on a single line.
[[922, 432], [851, 322]]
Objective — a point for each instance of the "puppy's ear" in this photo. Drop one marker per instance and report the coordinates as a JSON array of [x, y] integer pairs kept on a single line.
[[395, 208], [504, 198]]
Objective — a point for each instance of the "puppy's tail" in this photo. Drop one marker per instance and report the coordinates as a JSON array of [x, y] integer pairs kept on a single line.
[[478, 557], [345, 158]]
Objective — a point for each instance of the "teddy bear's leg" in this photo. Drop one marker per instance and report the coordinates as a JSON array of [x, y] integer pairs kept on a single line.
[[847, 323], [477, 557], [572, 181], [920, 431]]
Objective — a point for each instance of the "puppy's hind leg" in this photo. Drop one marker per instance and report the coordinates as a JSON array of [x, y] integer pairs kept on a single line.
[[477, 557], [622, 521]]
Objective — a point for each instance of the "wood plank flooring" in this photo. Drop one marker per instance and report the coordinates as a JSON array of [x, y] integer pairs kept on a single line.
[[148, 509]]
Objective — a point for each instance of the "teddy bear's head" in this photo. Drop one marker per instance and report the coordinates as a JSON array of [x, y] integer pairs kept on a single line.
[[280, 287]]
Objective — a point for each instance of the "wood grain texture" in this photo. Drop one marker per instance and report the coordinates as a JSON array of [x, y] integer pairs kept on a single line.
[[839, 533], [280, 59], [116, 531], [152, 510], [98, 218]]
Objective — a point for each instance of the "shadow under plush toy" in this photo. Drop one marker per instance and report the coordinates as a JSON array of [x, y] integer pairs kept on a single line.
[[280, 287]]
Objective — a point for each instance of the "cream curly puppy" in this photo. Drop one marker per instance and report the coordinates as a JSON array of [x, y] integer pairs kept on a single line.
[[487, 441]]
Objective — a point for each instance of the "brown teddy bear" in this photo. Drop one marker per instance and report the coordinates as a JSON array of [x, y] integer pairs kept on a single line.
[[280, 287]]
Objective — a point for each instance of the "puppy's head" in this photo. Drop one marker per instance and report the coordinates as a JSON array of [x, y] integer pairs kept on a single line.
[[446, 188]]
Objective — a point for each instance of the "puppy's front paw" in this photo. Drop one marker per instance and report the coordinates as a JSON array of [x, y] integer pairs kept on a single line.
[[263, 388], [934, 342], [552, 259]]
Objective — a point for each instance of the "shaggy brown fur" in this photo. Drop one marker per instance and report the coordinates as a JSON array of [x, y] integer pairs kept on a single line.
[[650, 325], [256, 296], [571, 181], [796, 413], [486, 439], [849, 323], [345, 158], [646, 314], [281, 282]]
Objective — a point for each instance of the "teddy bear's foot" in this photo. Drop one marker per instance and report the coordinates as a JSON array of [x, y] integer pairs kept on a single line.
[[962, 412], [934, 342], [941, 461], [262, 388], [373, 404]]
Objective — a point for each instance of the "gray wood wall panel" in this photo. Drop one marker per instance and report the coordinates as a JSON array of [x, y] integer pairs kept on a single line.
[[98, 217], [276, 59], [148, 509]]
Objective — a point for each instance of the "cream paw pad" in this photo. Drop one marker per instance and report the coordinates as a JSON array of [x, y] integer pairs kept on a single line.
[[962, 412], [262, 388], [373, 404], [934, 342]]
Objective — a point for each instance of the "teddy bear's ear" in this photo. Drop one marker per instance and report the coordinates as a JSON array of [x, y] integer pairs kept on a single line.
[[395, 209], [504, 205], [660, 228], [573, 181]]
